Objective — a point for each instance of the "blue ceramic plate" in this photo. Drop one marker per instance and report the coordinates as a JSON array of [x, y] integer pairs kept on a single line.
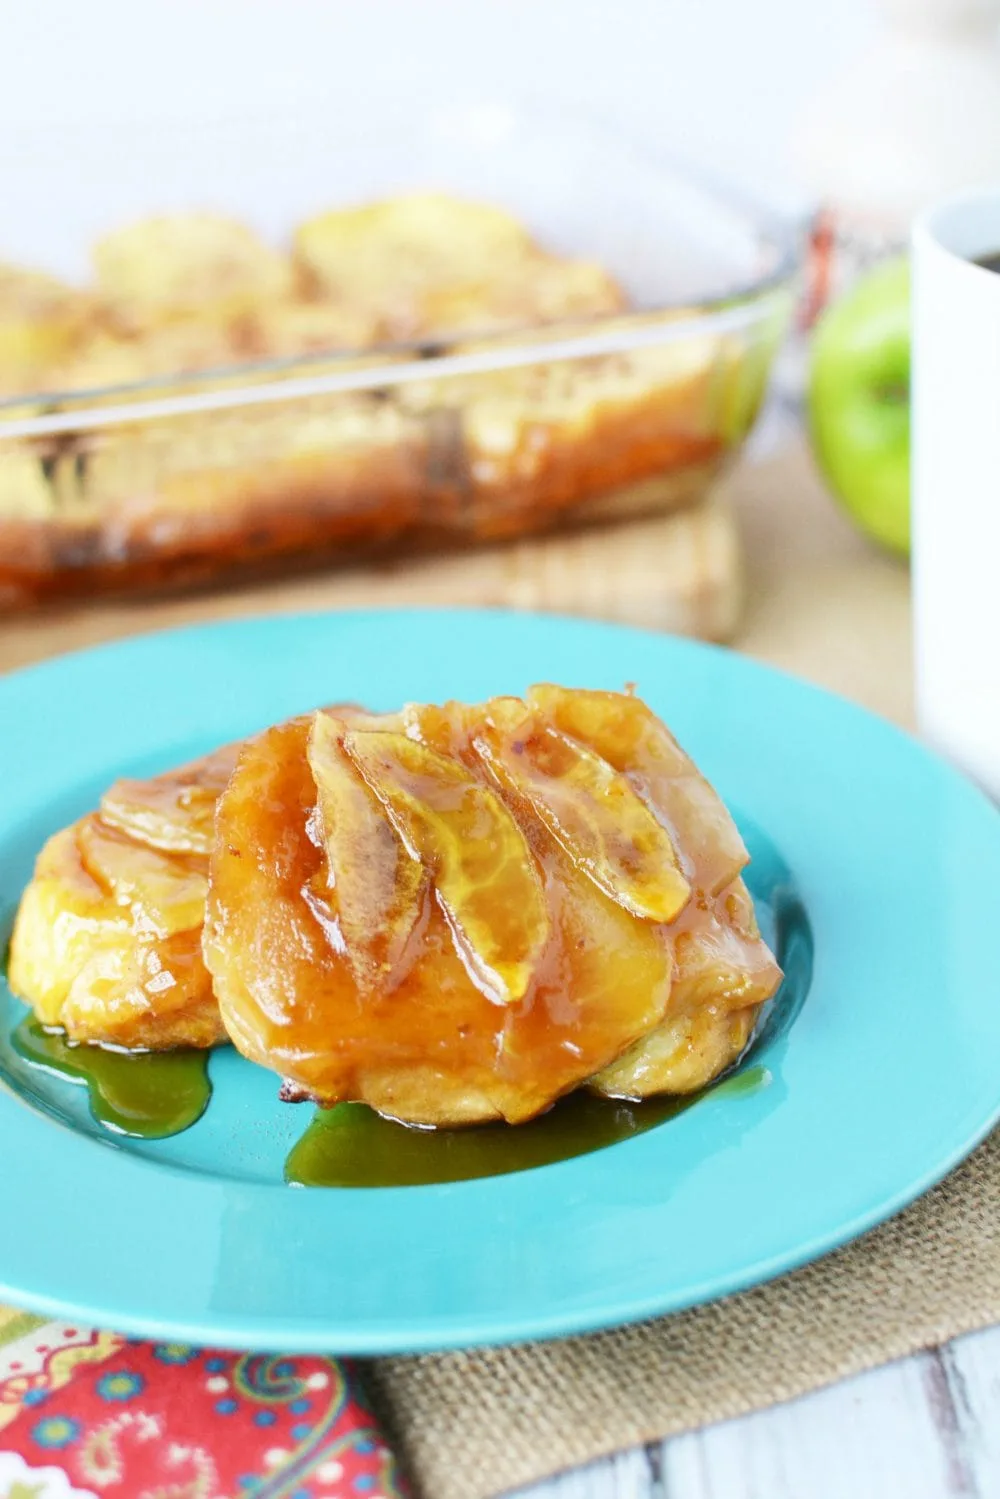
[[876, 871]]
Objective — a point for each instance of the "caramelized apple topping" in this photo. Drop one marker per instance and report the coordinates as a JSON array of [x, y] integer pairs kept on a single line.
[[163, 896], [484, 875], [623, 731], [589, 808], [176, 811], [377, 880]]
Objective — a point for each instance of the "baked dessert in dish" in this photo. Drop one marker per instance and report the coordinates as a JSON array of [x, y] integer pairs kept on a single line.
[[42, 322], [210, 486], [183, 293], [604, 436], [195, 307], [183, 266], [451, 913], [428, 264]]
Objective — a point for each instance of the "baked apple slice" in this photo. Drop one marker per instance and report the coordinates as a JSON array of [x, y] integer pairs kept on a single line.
[[484, 876], [377, 881], [107, 942], [630, 737], [588, 807], [174, 811], [724, 972]]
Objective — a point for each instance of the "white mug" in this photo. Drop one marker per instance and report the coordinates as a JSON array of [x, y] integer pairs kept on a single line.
[[956, 481]]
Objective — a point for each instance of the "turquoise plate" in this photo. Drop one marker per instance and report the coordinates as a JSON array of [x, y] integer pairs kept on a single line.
[[876, 870]]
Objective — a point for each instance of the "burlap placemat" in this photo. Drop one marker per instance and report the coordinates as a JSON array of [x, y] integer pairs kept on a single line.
[[471, 1425]]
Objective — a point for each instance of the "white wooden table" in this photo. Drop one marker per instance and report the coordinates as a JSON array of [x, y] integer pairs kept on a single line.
[[926, 1428]]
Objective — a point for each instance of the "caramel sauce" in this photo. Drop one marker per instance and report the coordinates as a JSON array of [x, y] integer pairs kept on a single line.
[[351, 1146], [147, 1095]]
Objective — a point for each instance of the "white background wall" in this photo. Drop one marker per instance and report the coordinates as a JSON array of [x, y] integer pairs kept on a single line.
[[720, 81]]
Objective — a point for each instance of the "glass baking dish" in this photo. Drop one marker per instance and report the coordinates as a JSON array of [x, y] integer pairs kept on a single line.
[[443, 440]]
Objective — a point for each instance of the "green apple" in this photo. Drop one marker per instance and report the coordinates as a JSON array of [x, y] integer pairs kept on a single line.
[[859, 402]]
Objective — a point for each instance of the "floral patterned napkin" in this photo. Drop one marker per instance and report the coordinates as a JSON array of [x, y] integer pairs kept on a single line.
[[91, 1415]]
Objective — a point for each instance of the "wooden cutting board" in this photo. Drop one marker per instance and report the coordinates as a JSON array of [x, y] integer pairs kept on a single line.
[[680, 572]]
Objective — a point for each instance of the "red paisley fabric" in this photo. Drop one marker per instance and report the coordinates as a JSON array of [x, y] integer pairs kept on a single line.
[[129, 1420]]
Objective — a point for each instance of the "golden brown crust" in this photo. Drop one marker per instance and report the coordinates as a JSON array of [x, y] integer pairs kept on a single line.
[[107, 941], [90, 966], [682, 1055], [724, 973], [429, 265], [188, 264], [42, 321], [297, 326]]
